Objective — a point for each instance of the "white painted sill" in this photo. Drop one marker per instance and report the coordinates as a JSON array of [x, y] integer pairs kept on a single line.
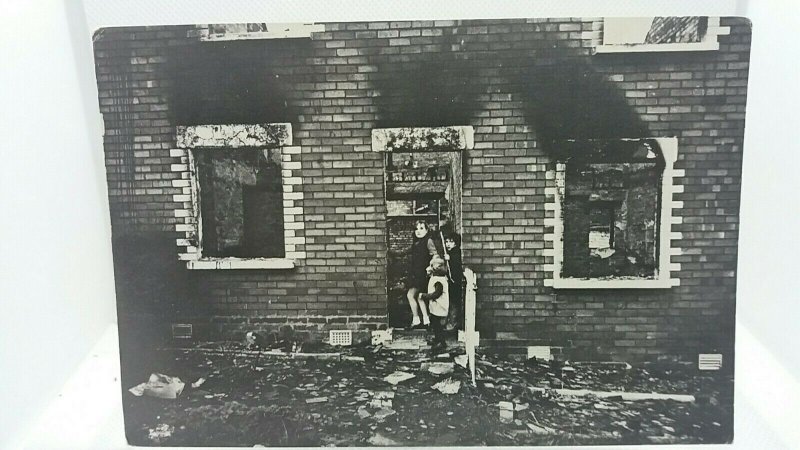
[[673, 47], [240, 263], [587, 283]]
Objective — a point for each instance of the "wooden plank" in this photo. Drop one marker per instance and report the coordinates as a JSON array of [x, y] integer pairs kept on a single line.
[[415, 188], [268, 353], [470, 336], [630, 396]]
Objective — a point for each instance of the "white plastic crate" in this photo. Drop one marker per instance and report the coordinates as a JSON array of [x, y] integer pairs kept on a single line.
[[540, 352], [340, 337]]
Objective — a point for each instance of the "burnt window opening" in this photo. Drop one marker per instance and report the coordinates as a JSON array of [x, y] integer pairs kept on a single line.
[[611, 211], [225, 28], [658, 34], [241, 202], [667, 30], [254, 30]]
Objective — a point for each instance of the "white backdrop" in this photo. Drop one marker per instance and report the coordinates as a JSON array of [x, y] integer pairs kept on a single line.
[[56, 279]]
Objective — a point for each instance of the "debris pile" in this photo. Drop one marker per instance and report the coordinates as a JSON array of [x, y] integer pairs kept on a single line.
[[448, 386], [398, 377], [374, 395], [159, 386]]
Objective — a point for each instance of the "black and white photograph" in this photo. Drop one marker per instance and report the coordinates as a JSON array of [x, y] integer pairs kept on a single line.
[[426, 233], [349, 223], [505, 232]]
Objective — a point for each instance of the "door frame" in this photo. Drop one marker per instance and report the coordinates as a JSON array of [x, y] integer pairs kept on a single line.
[[454, 139]]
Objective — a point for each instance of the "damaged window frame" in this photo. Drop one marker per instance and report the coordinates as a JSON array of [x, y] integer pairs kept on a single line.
[[708, 42], [258, 137], [231, 31], [662, 278]]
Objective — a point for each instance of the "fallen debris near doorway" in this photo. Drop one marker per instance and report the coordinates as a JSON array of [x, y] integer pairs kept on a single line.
[[408, 340], [437, 368], [536, 429], [381, 337], [506, 416], [381, 399], [255, 340], [511, 406], [381, 414], [622, 395], [380, 440], [506, 411], [363, 413], [240, 405], [397, 377], [619, 364], [160, 433], [326, 356], [159, 386], [448, 386]]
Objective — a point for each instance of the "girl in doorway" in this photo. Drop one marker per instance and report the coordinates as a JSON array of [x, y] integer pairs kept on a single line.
[[423, 248]]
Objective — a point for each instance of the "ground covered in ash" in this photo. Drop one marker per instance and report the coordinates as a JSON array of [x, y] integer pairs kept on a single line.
[[247, 399]]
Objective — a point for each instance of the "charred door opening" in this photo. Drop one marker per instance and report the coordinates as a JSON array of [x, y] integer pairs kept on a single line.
[[420, 186]]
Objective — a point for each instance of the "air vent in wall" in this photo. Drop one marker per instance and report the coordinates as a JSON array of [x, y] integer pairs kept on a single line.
[[181, 331], [341, 337], [709, 361]]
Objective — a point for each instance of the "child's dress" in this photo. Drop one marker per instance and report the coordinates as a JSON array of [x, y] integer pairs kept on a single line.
[[440, 305], [421, 252], [438, 297]]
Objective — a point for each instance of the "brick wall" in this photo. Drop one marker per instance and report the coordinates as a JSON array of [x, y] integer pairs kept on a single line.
[[520, 84]]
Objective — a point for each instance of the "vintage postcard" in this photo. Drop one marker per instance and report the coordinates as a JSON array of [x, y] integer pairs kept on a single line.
[[426, 233]]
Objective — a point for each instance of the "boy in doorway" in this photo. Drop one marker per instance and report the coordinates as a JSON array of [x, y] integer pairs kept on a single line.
[[452, 244]]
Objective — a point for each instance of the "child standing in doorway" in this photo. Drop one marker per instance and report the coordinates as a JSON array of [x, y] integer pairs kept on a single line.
[[437, 298], [452, 245], [422, 250]]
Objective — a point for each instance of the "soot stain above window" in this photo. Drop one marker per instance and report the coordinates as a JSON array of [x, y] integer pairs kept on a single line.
[[251, 83]]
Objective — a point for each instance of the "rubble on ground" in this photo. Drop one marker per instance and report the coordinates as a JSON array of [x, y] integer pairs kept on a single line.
[[159, 386], [397, 377], [448, 386], [373, 395]]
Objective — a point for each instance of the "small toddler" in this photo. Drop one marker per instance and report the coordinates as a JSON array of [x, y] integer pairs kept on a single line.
[[438, 300]]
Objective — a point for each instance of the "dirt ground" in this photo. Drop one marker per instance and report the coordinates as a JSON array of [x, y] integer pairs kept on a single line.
[[249, 399]]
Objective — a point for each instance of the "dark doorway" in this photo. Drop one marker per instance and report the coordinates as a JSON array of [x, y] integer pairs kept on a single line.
[[420, 186]]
